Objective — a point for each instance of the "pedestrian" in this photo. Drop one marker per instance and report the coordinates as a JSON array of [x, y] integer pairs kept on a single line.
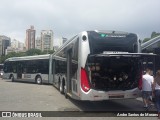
[[157, 91], [147, 85]]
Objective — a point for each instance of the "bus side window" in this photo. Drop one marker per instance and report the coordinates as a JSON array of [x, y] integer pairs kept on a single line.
[[24, 70], [75, 50]]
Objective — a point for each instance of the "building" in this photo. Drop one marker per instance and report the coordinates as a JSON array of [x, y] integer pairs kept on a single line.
[[10, 49], [38, 43], [16, 46], [4, 43], [64, 40], [47, 40], [21, 46], [14, 43], [30, 38]]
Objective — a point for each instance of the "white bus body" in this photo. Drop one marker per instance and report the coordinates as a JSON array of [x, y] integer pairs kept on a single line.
[[79, 66], [29, 68]]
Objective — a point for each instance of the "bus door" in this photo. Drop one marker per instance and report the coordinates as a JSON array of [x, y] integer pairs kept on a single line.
[[19, 70], [69, 68]]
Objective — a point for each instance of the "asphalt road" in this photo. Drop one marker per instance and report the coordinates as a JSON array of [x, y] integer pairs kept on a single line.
[[22, 96]]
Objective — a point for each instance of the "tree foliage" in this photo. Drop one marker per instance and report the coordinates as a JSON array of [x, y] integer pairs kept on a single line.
[[48, 52], [33, 52], [145, 40], [11, 54], [153, 35]]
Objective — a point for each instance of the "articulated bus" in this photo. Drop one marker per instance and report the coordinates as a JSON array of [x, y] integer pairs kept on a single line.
[[93, 66], [99, 65], [36, 69]]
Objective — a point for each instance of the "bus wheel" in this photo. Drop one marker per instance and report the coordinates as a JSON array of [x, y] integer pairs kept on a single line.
[[65, 92], [38, 80], [61, 87], [12, 78]]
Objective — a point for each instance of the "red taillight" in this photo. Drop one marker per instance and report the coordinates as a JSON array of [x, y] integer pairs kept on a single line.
[[84, 80], [140, 82]]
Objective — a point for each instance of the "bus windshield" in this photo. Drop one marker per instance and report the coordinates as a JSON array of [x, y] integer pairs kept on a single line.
[[101, 42]]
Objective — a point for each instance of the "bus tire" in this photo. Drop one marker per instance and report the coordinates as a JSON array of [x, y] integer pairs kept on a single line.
[[65, 92], [39, 80], [61, 86], [12, 78]]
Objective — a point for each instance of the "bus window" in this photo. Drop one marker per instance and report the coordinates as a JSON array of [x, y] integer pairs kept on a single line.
[[112, 42]]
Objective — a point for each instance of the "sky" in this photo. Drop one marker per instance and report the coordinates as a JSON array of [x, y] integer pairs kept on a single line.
[[69, 17]]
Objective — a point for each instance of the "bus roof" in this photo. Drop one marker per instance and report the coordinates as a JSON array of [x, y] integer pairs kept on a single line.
[[97, 31], [29, 57], [109, 32]]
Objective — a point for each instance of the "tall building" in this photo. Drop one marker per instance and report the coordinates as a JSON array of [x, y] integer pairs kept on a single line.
[[4, 43], [30, 38], [47, 40], [38, 43]]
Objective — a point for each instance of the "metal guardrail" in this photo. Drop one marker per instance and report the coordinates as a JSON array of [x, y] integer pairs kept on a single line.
[[150, 42]]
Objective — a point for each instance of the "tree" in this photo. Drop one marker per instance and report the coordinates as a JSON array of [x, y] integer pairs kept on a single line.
[[33, 52], [11, 54], [51, 51], [153, 35], [145, 40], [20, 54], [2, 59]]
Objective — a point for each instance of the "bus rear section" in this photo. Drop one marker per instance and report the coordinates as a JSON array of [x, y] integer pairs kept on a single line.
[[111, 77]]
